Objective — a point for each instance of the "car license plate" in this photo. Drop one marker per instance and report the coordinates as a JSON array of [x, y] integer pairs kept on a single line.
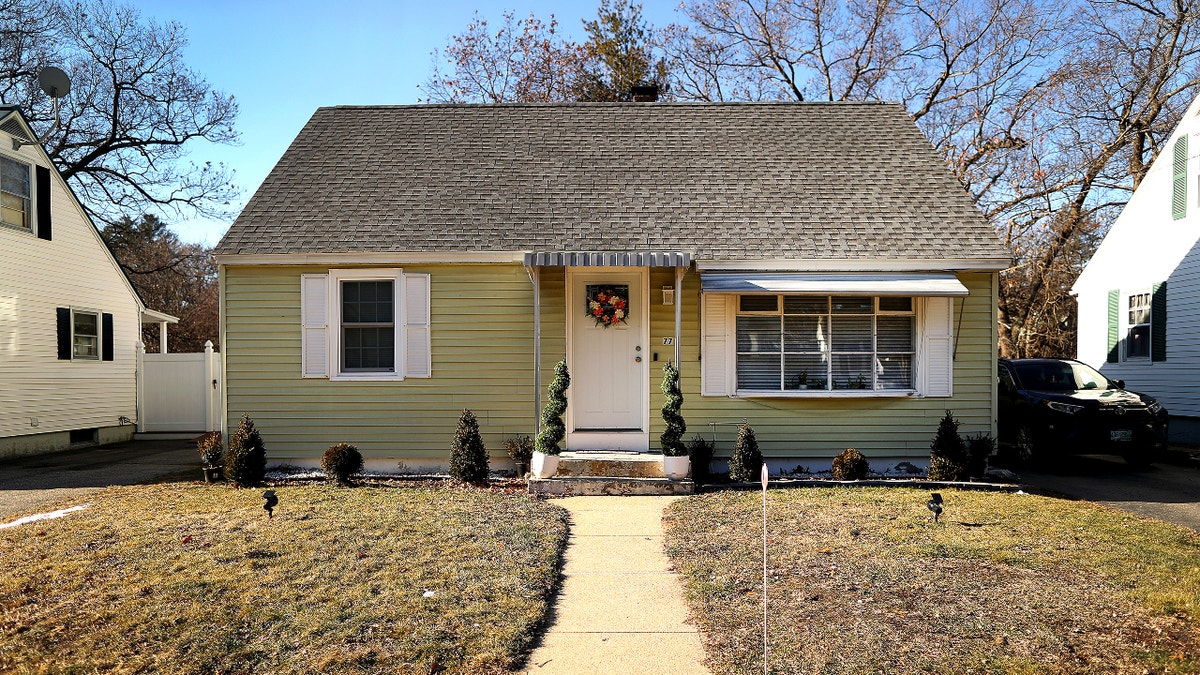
[[1121, 435]]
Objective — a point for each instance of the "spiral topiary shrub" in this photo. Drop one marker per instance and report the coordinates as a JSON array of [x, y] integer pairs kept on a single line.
[[553, 427], [671, 438], [341, 462], [246, 456], [947, 452], [746, 461], [850, 464], [468, 456]]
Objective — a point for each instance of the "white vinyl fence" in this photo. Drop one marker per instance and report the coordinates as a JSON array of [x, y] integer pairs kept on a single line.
[[179, 392]]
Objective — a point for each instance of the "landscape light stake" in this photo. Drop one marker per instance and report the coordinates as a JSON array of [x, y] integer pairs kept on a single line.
[[764, 500]]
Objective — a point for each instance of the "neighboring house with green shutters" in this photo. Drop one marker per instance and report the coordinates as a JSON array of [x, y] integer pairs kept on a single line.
[[1139, 317], [69, 319], [814, 267]]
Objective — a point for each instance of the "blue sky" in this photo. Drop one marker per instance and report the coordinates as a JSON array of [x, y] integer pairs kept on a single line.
[[283, 60]]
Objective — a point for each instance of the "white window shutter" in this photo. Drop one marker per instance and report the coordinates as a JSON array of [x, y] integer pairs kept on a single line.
[[714, 367], [418, 358], [937, 338], [314, 322]]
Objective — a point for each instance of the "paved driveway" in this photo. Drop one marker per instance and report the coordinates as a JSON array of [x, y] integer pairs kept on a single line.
[[1164, 491], [28, 482]]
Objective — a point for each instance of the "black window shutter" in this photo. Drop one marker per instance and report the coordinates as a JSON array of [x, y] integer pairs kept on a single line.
[[1158, 323], [106, 337], [1114, 322], [64, 333], [44, 228]]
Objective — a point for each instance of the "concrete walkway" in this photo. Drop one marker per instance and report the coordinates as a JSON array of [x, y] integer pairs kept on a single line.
[[621, 609]]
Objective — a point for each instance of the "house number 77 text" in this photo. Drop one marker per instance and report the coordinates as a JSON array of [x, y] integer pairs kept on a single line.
[[668, 341]]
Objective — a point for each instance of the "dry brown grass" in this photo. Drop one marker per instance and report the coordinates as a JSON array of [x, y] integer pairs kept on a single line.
[[862, 581], [184, 578]]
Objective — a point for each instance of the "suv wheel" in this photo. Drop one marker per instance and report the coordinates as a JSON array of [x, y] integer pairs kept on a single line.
[[1025, 446]]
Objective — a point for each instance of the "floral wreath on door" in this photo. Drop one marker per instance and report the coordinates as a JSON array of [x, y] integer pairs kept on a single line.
[[607, 305]]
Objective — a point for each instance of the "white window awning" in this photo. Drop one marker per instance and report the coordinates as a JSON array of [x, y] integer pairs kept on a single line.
[[915, 284]]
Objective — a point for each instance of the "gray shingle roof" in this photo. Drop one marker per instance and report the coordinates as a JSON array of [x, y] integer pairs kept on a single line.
[[726, 181]]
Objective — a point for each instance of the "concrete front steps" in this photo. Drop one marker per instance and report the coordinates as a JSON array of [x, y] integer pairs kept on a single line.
[[609, 472]]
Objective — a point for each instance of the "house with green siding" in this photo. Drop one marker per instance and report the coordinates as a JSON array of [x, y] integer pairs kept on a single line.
[[813, 268]]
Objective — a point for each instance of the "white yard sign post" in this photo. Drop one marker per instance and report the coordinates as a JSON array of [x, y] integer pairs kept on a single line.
[[764, 500]]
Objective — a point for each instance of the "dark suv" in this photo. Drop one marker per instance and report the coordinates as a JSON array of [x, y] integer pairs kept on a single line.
[[1055, 407]]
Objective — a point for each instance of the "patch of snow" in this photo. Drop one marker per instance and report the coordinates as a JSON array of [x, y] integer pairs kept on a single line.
[[44, 516]]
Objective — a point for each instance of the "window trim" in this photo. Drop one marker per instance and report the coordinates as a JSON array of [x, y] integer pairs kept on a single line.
[[30, 199], [1125, 325], [99, 335], [916, 312], [399, 317]]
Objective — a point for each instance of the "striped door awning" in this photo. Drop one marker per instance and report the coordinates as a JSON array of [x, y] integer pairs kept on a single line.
[[608, 259]]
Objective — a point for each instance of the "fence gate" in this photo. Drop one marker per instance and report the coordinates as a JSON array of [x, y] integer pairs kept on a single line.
[[179, 392]]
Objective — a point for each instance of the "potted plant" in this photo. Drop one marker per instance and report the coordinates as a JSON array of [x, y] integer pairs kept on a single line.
[[520, 450], [546, 450], [675, 456], [798, 381], [212, 455]]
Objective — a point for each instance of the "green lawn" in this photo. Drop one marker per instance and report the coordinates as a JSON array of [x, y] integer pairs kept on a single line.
[[863, 581], [185, 578]]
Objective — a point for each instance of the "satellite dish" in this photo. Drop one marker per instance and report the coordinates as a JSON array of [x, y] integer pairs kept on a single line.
[[54, 82]]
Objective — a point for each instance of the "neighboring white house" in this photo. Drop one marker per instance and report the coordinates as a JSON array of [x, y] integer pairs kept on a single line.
[[70, 321], [1139, 296]]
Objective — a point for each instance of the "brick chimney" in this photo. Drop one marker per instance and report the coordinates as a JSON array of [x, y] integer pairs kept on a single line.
[[644, 93]]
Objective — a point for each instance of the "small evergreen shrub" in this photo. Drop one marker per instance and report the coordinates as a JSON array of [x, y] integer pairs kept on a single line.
[[246, 456], [468, 456], [341, 462], [700, 451], [671, 439], [212, 452], [850, 464], [979, 449], [519, 449], [947, 452], [745, 465], [553, 427]]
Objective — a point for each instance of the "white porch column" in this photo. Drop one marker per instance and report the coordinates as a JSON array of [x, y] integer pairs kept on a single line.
[[162, 337], [210, 386], [140, 384], [535, 276], [678, 315]]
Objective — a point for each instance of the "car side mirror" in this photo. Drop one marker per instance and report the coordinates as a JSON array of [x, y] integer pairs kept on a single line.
[[1119, 384]]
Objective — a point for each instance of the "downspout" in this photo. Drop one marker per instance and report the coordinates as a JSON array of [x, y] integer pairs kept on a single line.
[[534, 278]]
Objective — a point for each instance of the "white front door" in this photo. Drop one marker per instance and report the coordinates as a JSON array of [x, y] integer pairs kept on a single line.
[[608, 352]]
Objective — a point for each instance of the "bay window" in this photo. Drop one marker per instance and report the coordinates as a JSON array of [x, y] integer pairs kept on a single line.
[[788, 343]]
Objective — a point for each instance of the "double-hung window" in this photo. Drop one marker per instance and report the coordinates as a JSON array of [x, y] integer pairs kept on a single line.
[[15, 193], [1137, 336], [807, 342], [368, 326], [85, 335]]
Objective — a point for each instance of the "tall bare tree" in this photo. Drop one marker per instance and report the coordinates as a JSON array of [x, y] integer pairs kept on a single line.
[[134, 111], [523, 60], [532, 61], [170, 276]]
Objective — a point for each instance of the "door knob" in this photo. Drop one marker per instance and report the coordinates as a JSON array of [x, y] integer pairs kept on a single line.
[[638, 359]]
